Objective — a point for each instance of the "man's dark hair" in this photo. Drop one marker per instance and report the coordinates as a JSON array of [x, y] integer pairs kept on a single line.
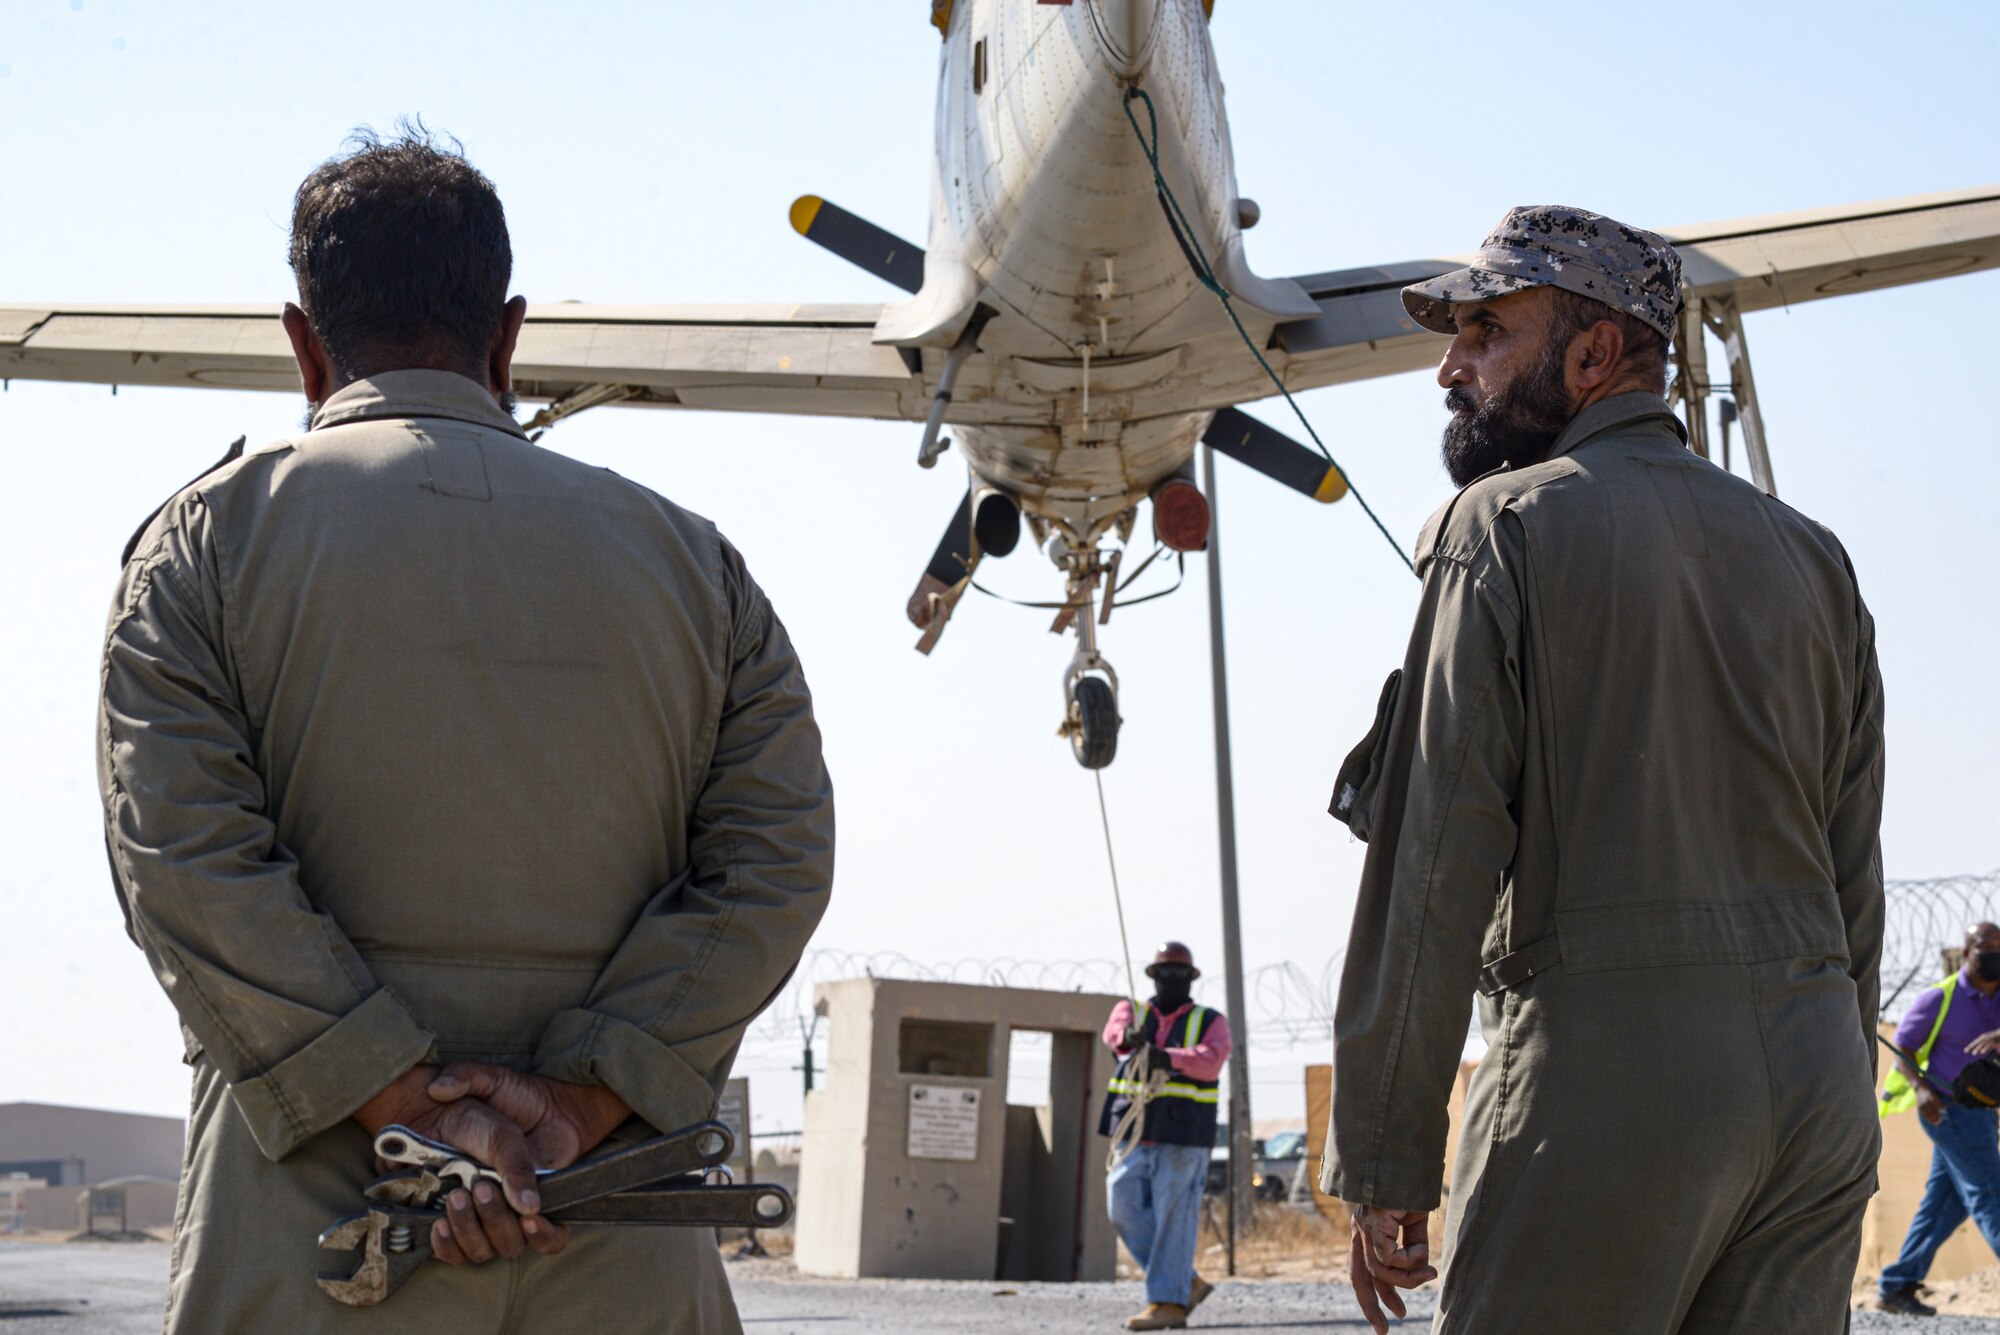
[[401, 254], [1645, 350]]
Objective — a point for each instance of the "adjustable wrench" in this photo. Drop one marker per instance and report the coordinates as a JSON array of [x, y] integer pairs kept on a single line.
[[627, 1186]]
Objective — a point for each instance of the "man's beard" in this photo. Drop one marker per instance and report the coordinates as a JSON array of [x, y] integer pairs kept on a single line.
[[1516, 427]]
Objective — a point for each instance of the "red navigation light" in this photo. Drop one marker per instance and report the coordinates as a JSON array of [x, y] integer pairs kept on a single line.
[[1180, 515]]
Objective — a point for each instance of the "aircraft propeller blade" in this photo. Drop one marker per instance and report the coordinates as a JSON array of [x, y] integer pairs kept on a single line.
[[859, 242], [1275, 455], [944, 579]]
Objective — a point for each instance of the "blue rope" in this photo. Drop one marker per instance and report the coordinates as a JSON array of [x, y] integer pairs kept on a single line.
[[1190, 243]]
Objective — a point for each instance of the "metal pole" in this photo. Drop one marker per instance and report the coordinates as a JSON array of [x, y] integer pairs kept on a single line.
[[1240, 1169]]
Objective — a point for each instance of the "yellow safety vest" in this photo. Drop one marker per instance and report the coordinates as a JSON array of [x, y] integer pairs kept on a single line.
[[1898, 1094], [1197, 1021]]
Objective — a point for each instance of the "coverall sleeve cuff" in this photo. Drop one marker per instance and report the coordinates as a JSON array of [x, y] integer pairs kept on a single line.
[[590, 1048], [323, 1083], [1384, 1192]]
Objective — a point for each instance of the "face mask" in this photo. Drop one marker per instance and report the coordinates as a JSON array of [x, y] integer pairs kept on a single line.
[[1172, 990], [1986, 966]]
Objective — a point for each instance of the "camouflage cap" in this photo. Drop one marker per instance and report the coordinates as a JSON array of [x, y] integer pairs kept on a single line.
[[1550, 245]]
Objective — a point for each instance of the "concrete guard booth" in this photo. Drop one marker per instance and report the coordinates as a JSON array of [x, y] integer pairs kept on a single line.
[[915, 1165]]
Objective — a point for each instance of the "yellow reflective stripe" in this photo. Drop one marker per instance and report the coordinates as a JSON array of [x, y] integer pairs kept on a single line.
[[1947, 986], [1898, 1094], [1173, 1089]]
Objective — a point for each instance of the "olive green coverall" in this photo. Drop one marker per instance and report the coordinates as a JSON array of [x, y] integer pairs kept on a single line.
[[420, 742], [1628, 787]]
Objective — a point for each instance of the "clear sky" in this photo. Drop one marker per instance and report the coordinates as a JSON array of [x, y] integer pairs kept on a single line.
[[648, 153]]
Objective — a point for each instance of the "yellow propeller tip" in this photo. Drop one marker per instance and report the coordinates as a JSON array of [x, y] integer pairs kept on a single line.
[[804, 209], [1331, 487]]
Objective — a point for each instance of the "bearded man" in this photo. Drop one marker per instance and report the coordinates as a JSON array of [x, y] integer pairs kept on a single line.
[[1628, 787]]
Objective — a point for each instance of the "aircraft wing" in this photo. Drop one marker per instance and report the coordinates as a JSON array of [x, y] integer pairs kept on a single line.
[[1781, 260], [817, 360], [821, 360]]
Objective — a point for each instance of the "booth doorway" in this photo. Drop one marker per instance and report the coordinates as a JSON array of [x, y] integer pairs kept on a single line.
[[1051, 1148]]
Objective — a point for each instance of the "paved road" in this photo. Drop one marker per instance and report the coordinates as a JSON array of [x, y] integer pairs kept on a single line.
[[112, 1289]]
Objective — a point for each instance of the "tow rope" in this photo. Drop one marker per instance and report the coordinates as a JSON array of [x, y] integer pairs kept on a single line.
[[1204, 273], [1141, 1081]]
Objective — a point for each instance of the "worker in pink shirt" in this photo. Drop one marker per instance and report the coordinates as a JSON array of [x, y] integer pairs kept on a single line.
[[1170, 1058]]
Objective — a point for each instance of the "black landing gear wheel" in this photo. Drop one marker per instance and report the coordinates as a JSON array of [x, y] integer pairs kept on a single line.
[[1095, 735]]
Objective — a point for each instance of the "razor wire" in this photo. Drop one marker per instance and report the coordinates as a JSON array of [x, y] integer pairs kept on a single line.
[[1289, 1002], [1923, 930], [1292, 1004]]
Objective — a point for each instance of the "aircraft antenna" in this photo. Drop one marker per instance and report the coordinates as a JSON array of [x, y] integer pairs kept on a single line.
[[1184, 233]]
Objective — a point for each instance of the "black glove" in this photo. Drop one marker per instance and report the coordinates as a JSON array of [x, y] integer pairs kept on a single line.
[[1157, 1058]]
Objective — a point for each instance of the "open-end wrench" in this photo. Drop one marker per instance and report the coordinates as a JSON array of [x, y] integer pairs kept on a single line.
[[627, 1186]]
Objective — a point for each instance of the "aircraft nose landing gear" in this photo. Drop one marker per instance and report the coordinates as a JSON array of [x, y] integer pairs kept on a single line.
[[1090, 715], [1090, 686]]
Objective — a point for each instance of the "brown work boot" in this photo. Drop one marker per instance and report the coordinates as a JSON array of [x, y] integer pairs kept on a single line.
[[1197, 1291], [1158, 1316]]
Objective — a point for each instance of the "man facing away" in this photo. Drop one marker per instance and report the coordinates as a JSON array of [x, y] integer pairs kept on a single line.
[[1947, 1028], [1170, 1058], [450, 782], [1628, 788]]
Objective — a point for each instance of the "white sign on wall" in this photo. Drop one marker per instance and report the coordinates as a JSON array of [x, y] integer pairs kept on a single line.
[[733, 1111], [944, 1122]]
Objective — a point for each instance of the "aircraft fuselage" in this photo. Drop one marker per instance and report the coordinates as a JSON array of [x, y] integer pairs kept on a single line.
[[1044, 203]]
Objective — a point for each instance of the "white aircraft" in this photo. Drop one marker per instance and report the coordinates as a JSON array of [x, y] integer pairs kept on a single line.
[[1080, 322]]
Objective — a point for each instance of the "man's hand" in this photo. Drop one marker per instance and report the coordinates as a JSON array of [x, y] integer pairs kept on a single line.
[[1930, 1104], [1985, 1043], [483, 1223], [563, 1122], [1391, 1250], [559, 1122]]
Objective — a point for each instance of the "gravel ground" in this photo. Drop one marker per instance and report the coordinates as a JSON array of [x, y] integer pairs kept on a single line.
[[104, 1289]]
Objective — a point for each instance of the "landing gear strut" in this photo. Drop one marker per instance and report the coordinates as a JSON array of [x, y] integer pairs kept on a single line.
[[1090, 686], [1701, 316]]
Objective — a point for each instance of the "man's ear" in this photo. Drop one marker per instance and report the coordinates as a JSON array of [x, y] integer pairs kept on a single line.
[[316, 375], [1595, 356], [500, 355]]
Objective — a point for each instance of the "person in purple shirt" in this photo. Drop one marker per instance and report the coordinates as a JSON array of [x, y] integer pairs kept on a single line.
[[1965, 1155]]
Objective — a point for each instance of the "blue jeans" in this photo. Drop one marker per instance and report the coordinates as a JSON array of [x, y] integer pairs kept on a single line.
[[1156, 1205], [1964, 1183]]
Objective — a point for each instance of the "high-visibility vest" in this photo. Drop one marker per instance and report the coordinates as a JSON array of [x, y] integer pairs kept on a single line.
[[1898, 1094], [1183, 1110]]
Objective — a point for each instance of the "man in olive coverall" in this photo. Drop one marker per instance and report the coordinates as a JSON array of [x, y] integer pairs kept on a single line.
[[447, 781], [1628, 788]]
